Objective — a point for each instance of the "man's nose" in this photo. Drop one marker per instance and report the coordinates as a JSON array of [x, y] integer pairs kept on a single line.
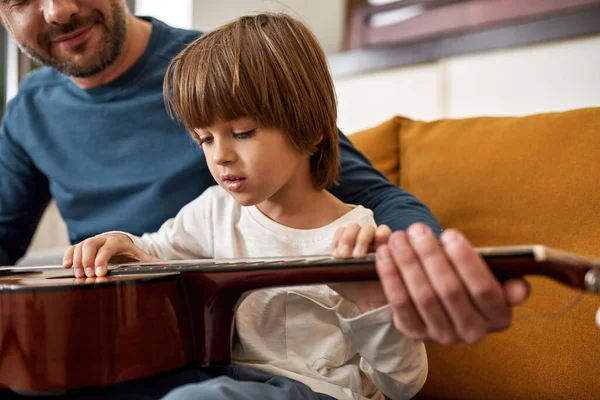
[[59, 11]]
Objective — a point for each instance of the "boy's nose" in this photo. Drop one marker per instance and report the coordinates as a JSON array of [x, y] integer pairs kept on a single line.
[[223, 154], [59, 11]]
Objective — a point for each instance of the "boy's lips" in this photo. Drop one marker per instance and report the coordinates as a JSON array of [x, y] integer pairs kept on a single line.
[[233, 182]]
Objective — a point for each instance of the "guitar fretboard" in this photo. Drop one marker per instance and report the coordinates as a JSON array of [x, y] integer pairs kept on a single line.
[[233, 264]]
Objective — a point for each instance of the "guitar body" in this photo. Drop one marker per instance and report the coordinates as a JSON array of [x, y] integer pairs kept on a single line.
[[80, 334], [58, 333]]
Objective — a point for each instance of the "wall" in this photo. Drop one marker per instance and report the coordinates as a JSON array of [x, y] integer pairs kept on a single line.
[[533, 79], [325, 17], [179, 16]]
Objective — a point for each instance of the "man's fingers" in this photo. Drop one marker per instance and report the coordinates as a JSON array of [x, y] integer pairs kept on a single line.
[[465, 319], [406, 319], [484, 289], [420, 290], [517, 291]]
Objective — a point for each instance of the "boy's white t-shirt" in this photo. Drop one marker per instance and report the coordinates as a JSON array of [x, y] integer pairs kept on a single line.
[[307, 333]]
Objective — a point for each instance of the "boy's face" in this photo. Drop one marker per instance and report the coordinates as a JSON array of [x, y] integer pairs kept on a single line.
[[78, 38], [254, 164]]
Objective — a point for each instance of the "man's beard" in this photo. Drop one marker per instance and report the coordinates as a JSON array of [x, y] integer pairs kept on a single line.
[[111, 42]]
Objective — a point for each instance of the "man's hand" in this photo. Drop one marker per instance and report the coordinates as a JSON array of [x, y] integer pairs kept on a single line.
[[443, 292], [91, 257]]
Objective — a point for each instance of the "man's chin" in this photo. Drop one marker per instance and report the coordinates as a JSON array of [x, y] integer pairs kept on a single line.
[[80, 66]]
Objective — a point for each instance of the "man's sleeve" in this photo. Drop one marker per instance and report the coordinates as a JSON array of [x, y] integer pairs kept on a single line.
[[361, 183], [24, 195]]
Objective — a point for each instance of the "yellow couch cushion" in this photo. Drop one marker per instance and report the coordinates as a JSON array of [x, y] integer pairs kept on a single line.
[[380, 145], [513, 180]]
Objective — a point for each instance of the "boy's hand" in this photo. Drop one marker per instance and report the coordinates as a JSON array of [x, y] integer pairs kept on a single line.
[[356, 241], [91, 257]]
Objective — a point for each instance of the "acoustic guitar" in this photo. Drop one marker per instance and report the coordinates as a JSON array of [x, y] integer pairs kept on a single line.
[[59, 333]]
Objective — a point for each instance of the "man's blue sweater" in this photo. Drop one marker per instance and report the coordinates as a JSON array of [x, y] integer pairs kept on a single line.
[[114, 160]]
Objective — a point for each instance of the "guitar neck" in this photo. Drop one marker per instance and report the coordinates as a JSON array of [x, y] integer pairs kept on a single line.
[[505, 262]]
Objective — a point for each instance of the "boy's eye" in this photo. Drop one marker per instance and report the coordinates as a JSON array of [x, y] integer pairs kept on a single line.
[[203, 140], [244, 135]]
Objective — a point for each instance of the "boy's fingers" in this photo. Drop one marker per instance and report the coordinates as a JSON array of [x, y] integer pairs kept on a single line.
[[77, 266], [90, 250], [382, 235], [105, 253], [347, 241], [336, 239], [363, 241], [68, 257], [141, 255]]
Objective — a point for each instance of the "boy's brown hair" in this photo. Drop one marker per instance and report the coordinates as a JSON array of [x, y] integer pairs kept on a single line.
[[269, 67]]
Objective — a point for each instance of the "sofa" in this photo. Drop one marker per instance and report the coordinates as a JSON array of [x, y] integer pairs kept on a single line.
[[509, 181]]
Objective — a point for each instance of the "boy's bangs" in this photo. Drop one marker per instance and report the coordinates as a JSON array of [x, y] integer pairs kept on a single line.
[[206, 88]]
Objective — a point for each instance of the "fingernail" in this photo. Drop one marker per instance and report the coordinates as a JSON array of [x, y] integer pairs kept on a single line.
[[450, 237], [417, 231], [345, 250], [99, 271], [78, 273], [89, 271], [398, 243], [359, 250], [382, 254]]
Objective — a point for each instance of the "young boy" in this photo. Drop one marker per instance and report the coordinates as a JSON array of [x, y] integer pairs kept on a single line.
[[257, 96]]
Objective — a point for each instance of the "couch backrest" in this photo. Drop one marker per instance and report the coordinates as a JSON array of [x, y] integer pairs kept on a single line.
[[502, 181]]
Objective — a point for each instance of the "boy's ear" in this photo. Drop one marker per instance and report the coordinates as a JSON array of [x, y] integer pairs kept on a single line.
[[319, 139], [316, 144]]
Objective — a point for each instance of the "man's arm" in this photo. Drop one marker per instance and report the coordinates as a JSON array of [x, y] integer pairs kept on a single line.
[[24, 195], [361, 183], [438, 287]]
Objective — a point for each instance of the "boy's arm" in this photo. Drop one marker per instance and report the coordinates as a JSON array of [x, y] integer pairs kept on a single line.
[[361, 183], [188, 235], [24, 195]]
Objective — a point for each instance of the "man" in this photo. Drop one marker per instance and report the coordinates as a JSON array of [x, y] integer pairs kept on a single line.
[[71, 131]]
